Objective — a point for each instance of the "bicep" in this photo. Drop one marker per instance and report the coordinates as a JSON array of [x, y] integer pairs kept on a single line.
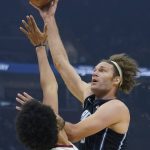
[[101, 119], [73, 81]]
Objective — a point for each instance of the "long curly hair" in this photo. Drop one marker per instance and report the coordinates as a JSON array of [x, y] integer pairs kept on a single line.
[[129, 69], [36, 126]]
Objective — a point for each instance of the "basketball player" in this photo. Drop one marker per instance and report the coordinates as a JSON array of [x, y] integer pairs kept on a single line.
[[38, 125], [105, 119]]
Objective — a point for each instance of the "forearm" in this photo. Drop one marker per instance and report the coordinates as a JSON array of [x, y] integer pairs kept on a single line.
[[70, 128], [47, 80], [47, 77], [56, 46], [72, 80]]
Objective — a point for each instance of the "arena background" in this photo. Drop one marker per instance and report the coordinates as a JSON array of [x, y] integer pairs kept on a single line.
[[91, 30]]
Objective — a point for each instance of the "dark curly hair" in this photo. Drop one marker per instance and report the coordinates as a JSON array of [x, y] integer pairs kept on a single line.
[[36, 126], [129, 69]]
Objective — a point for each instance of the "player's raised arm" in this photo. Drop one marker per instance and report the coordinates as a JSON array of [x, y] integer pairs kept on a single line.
[[47, 78], [78, 88]]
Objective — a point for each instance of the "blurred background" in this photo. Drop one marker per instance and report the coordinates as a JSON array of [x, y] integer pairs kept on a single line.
[[91, 30]]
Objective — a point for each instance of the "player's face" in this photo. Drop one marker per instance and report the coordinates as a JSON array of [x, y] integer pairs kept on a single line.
[[102, 78]]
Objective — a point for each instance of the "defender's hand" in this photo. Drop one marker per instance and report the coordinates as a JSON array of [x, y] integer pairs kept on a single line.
[[33, 33], [22, 99]]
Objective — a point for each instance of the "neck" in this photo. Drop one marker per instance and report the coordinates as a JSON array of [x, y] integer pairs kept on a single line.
[[106, 95], [62, 138]]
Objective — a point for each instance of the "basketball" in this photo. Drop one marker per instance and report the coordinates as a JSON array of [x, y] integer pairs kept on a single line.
[[41, 3]]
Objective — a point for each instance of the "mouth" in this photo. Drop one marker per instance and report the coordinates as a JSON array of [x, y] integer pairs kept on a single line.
[[94, 80]]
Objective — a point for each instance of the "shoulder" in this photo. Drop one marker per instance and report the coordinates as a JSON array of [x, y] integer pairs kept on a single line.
[[118, 104], [113, 108]]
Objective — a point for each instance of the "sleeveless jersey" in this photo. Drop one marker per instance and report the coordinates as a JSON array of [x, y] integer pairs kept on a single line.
[[106, 139]]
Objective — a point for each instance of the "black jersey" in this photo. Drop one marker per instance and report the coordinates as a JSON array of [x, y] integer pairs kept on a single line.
[[106, 139]]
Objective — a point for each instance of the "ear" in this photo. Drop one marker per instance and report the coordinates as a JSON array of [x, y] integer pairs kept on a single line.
[[117, 80]]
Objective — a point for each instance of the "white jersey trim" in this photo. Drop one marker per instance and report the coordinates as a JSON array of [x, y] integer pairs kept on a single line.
[[121, 143], [104, 136]]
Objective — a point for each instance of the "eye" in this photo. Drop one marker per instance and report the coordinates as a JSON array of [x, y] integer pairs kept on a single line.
[[101, 70]]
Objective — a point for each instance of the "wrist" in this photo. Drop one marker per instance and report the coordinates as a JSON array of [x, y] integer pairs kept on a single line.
[[49, 19], [40, 47]]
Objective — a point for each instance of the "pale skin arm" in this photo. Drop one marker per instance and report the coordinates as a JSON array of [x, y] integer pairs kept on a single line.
[[47, 78], [73, 81], [104, 117]]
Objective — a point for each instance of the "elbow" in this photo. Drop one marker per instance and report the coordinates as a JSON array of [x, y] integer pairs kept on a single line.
[[74, 140], [61, 64], [72, 137], [57, 65], [72, 134]]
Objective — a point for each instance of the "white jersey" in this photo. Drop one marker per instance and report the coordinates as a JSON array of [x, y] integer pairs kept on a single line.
[[63, 147]]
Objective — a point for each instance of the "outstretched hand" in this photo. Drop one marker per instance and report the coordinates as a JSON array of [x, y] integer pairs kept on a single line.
[[48, 11], [22, 99], [31, 30]]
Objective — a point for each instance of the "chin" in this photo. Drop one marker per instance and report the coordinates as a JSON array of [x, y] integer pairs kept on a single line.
[[98, 92], [94, 89]]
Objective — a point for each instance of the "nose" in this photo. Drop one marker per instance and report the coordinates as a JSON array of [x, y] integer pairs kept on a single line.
[[94, 73]]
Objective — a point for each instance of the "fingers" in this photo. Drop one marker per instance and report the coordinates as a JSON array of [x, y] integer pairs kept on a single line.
[[33, 22], [20, 101], [27, 28], [27, 95], [45, 29], [24, 31], [53, 7], [32, 31], [18, 108], [45, 32], [41, 36], [22, 97], [54, 2], [26, 25], [30, 25]]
